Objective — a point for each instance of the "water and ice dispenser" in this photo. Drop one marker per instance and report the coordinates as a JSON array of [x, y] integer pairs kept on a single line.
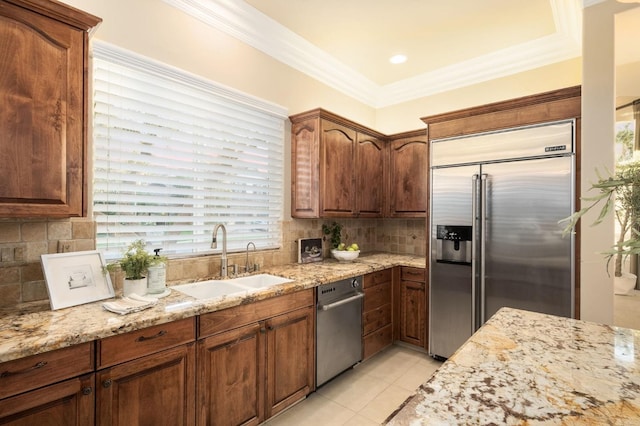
[[453, 244]]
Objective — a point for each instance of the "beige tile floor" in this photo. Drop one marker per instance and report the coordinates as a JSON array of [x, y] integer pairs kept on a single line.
[[365, 395], [626, 310]]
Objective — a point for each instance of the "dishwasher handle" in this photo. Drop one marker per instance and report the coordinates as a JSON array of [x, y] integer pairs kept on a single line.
[[341, 302]]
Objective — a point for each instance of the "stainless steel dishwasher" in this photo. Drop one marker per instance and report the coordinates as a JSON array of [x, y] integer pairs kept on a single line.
[[338, 328]]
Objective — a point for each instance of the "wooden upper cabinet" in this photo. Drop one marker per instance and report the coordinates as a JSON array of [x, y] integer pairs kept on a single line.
[[337, 170], [305, 168], [408, 175], [43, 86], [337, 167], [370, 175]]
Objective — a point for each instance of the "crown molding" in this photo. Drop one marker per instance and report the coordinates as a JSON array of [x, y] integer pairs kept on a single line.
[[240, 20]]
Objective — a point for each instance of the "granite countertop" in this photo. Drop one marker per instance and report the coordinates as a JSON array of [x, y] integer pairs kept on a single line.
[[525, 368], [24, 333]]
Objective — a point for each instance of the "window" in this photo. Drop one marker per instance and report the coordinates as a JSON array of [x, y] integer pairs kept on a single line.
[[174, 154]]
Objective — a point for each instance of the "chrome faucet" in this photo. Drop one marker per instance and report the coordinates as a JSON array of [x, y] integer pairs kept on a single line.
[[214, 245], [246, 265]]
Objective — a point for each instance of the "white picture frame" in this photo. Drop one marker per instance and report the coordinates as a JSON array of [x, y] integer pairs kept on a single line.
[[76, 278]]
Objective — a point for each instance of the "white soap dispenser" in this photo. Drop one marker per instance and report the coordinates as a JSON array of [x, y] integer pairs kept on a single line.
[[157, 275]]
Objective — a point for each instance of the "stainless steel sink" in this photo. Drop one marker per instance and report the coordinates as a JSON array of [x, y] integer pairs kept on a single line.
[[236, 286]]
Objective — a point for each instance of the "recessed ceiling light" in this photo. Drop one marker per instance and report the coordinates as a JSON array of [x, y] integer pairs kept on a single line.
[[398, 59]]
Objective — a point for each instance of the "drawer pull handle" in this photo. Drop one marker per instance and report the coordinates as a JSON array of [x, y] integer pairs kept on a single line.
[[87, 390], [26, 370], [106, 384], [155, 336]]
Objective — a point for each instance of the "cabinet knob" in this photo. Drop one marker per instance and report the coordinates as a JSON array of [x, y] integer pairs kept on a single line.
[[87, 390], [106, 383]]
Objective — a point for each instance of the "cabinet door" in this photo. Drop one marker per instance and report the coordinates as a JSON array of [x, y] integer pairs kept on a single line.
[[412, 312], [157, 389], [41, 115], [231, 378], [369, 169], [408, 175], [290, 359], [337, 170], [67, 403], [305, 168]]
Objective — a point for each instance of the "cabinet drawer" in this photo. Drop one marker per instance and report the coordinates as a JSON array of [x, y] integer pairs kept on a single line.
[[35, 371], [377, 296], [412, 274], [377, 278], [376, 341], [376, 318], [227, 319], [117, 349]]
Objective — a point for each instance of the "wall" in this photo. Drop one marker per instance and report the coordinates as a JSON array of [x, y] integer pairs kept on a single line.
[[598, 120], [154, 29]]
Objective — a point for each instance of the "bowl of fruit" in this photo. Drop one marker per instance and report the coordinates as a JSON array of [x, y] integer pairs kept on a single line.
[[344, 253]]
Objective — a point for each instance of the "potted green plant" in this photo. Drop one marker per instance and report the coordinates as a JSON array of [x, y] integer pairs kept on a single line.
[[620, 193], [134, 265], [340, 250]]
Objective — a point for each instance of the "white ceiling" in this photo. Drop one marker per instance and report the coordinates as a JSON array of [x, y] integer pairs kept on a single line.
[[346, 44], [363, 34]]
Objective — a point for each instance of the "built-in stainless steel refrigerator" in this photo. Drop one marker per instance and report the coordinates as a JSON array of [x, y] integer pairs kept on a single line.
[[496, 200]]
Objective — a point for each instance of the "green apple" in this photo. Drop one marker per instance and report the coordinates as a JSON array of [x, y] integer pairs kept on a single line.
[[354, 246], [350, 249], [341, 246]]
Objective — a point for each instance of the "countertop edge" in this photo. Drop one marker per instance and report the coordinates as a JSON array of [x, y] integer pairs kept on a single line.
[[24, 334]]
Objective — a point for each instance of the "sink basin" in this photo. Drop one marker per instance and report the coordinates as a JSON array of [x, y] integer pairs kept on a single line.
[[234, 286], [259, 281], [210, 289]]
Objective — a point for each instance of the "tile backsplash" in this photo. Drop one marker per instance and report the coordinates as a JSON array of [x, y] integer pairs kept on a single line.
[[23, 241]]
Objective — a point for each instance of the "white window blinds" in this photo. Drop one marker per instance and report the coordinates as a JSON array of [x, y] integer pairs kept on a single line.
[[175, 154]]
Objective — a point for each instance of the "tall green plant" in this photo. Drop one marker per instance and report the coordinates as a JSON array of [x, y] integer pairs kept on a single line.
[[620, 193]]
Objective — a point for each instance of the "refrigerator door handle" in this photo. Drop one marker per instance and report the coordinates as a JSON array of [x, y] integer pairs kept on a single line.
[[483, 240], [475, 181]]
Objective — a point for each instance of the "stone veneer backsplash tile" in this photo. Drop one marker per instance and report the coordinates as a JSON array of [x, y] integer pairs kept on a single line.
[[23, 241]]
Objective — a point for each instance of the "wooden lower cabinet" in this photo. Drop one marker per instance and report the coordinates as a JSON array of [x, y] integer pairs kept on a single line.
[[147, 376], [250, 373], [52, 388], [230, 377], [377, 324], [413, 306], [67, 403], [157, 389], [290, 359]]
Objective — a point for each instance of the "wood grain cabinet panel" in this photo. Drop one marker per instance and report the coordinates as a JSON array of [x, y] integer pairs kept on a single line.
[[135, 344], [337, 167], [67, 403], [43, 108], [408, 176], [52, 388], [377, 315], [249, 373], [157, 389], [413, 306], [290, 359], [231, 377], [370, 175]]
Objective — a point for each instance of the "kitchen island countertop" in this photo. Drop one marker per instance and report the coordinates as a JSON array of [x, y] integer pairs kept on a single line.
[[525, 368], [24, 333]]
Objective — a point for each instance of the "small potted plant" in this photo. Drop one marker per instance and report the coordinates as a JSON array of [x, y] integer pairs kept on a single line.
[[340, 250], [619, 193], [134, 265]]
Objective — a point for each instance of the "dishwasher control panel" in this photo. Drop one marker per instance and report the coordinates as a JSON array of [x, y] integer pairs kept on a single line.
[[339, 289]]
